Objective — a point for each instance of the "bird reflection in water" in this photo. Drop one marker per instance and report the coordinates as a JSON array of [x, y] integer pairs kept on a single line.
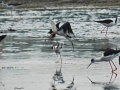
[[58, 76], [57, 47], [106, 85], [53, 86], [2, 85], [71, 85]]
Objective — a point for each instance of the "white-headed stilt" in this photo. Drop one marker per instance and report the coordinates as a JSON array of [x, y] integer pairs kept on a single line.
[[107, 56], [107, 23]]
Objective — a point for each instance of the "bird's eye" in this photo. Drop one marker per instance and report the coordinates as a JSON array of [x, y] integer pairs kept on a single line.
[[92, 60]]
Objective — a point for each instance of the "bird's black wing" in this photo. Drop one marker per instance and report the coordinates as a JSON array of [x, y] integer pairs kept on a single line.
[[14, 4], [105, 21], [109, 52], [2, 37], [66, 27], [57, 25]]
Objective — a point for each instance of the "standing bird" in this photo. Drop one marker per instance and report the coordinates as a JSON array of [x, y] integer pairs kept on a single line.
[[107, 56], [65, 30], [107, 23], [57, 49], [11, 6]]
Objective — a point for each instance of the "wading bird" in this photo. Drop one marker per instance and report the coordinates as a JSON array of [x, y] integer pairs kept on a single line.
[[107, 56], [11, 6], [107, 23], [65, 30]]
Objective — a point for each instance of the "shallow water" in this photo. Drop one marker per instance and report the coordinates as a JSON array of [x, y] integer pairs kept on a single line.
[[28, 62]]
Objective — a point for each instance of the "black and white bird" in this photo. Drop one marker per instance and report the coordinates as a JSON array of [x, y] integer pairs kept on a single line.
[[57, 47], [65, 30], [11, 6], [107, 56], [107, 23]]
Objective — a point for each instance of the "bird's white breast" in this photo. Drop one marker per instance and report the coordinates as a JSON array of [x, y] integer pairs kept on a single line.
[[108, 58]]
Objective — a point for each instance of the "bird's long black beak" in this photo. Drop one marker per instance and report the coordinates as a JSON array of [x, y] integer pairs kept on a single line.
[[89, 65]]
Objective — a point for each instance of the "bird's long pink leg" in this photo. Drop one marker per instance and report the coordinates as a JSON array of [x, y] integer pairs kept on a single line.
[[114, 66], [115, 75], [110, 65], [106, 31], [103, 30], [112, 76], [113, 71]]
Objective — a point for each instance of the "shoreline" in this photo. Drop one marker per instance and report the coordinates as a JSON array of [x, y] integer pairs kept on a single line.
[[59, 5], [62, 8]]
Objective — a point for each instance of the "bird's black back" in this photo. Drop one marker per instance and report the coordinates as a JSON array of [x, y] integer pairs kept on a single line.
[[111, 52], [66, 27], [57, 25], [14, 4], [105, 21]]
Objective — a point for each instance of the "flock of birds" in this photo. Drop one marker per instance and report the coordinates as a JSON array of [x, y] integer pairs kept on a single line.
[[66, 31]]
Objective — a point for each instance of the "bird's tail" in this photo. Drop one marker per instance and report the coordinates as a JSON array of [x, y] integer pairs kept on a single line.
[[117, 51]]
